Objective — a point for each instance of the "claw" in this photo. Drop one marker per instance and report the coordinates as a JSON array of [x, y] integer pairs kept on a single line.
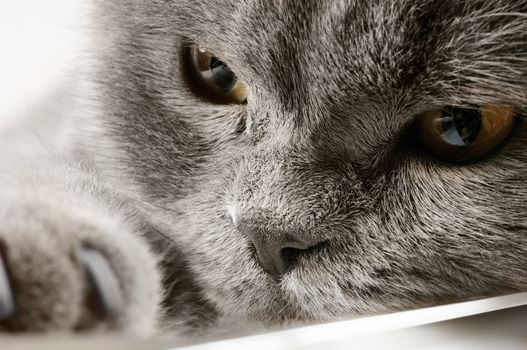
[[7, 302], [103, 280]]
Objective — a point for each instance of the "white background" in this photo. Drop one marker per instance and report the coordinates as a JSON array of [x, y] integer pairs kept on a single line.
[[39, 43]]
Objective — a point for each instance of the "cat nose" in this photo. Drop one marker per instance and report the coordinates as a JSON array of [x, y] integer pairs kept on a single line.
[[276, 251]]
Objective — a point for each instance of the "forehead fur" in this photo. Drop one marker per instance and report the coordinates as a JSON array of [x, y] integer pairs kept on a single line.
[[344, 57], [472, 48], [375, 64]]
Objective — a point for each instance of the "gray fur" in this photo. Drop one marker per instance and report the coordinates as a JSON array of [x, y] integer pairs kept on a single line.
[[333, 89]]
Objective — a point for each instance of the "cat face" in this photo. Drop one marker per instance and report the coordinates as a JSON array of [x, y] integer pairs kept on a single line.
[[314, 199]]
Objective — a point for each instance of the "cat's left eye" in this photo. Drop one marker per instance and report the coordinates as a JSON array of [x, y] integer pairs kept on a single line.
[[213, 79], [460, 134]]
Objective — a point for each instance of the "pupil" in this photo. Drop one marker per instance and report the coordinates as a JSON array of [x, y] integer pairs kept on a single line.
[[222, 75], [461, 126]]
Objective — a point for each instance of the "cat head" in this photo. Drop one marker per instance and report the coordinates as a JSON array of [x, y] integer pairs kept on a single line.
[[296, 171]]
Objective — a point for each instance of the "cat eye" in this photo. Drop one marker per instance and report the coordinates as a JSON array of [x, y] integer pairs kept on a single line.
[[457, 134], [213, 79]]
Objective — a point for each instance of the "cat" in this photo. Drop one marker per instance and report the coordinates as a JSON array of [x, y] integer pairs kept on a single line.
[[258, 164]]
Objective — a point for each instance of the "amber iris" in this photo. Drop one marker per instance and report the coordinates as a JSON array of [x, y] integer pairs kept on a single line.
[[213, 79], [458, 134]]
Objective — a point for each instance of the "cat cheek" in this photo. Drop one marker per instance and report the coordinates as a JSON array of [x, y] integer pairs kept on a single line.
[[232, 210]]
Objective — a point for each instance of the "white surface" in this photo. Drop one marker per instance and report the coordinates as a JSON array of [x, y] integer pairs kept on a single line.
[[481, 328], [417, 329]]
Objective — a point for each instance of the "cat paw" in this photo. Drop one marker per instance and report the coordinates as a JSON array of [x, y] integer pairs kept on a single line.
[[66, 268]]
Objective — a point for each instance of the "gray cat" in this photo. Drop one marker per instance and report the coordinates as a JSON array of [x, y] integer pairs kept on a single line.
[[259, 164]]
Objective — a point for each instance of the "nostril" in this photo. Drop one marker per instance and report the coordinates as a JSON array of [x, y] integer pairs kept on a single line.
[[291, 255], [277, 251]]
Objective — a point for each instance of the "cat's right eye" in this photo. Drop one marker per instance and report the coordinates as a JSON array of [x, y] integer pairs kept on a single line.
[[213, 79]]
